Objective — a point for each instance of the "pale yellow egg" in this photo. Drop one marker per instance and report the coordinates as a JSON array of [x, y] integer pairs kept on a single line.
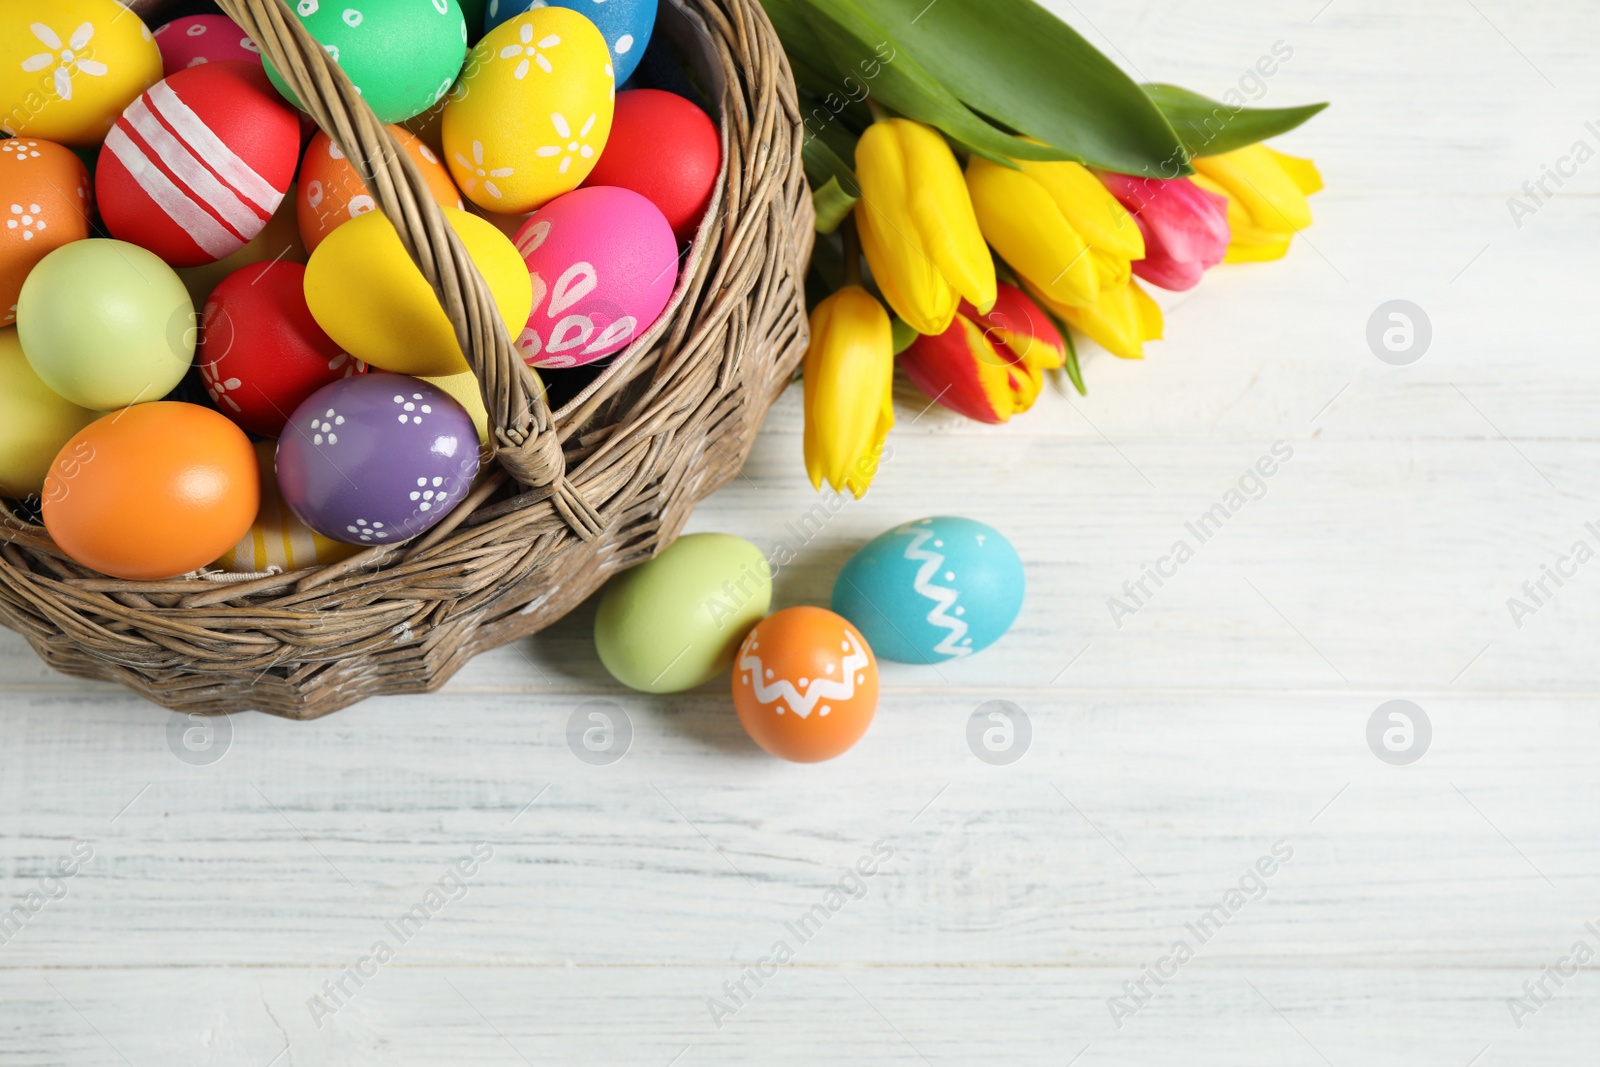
[[34, 422]]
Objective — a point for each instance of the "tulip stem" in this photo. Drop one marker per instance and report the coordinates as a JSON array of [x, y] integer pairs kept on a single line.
[[852, 251]]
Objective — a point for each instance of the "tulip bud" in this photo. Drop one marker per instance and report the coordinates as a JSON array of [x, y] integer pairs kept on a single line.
[[1121, 321], [1185, 227], [849, 386], [987, 367], [1266, 193], [917, 226]]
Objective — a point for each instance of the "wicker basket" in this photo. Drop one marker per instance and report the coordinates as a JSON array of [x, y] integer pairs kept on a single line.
[[578, 493]]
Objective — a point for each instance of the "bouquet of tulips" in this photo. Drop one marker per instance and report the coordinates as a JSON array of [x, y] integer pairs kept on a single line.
[[1006, 184]]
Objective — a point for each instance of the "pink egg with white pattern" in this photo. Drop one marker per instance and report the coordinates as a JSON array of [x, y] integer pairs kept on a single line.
[[604, 264], [196, 39]]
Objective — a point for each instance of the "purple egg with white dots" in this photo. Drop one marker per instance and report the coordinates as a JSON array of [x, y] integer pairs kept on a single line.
[[377, 459]]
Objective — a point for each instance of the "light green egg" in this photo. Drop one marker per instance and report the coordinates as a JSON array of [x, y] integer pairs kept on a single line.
[[106, 324], [402, 54], [676, 622], [34, 422]]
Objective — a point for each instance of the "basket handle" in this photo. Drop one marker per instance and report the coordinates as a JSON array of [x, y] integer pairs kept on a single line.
[[524, 439]]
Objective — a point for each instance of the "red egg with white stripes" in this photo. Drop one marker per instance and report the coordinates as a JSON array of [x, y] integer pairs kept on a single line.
[[196, 166]]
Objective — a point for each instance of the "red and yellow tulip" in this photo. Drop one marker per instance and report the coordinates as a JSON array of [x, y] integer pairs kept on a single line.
[[991, 366]]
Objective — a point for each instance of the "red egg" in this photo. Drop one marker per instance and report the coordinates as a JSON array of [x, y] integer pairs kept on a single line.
[[261, 353], [196, 166], [198, 39], [667, 150]]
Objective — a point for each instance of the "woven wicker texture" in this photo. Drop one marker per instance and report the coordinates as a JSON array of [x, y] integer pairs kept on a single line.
[[577, 494]]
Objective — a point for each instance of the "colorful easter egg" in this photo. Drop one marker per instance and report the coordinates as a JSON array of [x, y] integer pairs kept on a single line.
[[376, 459], [625, 24], [805, 684], [106, 324], [195, 39], [278, 540], [153, 491], [403, 55], [373, 301], [331, 193], [675, 621], [280, 241], [932, 590], [532, 111], [69, 67], [667, 150], [45, 201], [35, 421], [603, 263], [261, 353], [196, 166]]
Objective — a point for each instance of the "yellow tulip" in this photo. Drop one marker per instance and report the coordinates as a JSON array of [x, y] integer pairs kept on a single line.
[[1266, 192], [1120, 321], [849, 382], [917, 225], [1056, 225]]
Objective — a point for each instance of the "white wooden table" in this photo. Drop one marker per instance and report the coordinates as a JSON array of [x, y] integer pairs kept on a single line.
[[212, 904]]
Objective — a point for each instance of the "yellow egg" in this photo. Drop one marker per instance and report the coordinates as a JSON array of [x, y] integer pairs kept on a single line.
[[277, 539], [464, 388], [532, 111], [368, 296], [69, 67], [34, 422], [279, 241]]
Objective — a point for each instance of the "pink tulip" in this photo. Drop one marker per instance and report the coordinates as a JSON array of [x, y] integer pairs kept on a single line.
[[1185, 228]]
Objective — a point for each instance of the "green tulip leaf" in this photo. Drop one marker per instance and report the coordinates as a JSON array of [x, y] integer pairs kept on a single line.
[[1019, 65], [1210, 127], [1074, 372], [823, 165], [868, 61], [833, 205]]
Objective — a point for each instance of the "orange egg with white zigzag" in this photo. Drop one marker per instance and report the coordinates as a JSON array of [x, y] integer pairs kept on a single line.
[[805, 684]]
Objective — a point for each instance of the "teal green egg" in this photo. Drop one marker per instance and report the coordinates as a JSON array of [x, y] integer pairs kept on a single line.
[[106, 324], [932, 590], [676, 621], [402, 54]]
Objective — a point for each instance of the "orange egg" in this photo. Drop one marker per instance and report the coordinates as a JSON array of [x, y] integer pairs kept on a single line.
[[331, 193], [805, 684], [45, 202], [152, 491]]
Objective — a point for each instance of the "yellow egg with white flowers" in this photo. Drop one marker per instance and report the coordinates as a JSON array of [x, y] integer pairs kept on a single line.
[[68, 68], [532, 111]]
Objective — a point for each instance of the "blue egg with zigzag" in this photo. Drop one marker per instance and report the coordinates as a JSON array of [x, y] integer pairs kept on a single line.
[[625, 24], [932, 590]]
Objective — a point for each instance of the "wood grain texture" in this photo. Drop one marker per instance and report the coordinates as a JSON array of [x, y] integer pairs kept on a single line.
[[1169, 754]]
